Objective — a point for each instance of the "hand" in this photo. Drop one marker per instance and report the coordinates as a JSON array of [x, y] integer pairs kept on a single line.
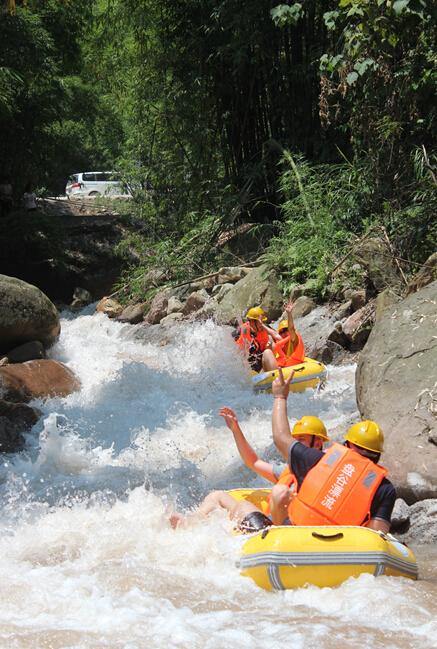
[[230, 418], [281, 386], [288, 306]]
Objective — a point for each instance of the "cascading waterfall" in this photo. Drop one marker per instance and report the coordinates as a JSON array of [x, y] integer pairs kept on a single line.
[[87, 558]]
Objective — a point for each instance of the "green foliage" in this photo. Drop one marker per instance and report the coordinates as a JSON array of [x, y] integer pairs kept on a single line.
[[318, 202]]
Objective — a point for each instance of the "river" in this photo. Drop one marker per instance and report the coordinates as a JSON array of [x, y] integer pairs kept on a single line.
[[87, 557]]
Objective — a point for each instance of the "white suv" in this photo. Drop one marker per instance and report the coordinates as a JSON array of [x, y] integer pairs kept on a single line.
[[94, 183]]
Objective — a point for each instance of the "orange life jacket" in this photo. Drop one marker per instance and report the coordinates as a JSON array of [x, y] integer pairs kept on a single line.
[[296, 357], [338, 490], [288, 478], [247, 336]]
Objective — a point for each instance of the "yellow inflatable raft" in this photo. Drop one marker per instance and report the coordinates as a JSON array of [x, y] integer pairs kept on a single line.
[[284, 557], [308, 374]]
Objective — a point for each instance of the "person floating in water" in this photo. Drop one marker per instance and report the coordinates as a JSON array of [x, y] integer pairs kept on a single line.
[[310, 431]]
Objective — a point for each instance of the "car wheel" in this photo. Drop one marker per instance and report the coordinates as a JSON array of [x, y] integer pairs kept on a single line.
[[94, 194]]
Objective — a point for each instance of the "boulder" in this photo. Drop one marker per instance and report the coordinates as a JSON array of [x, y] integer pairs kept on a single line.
[[15, 419], [195, 301], [375, 257], [258, 288], [303, 306], [158, 307], [221, 291], [27, 352], [384, 300], [132, 314], [37, 380], [174, 305], [26, 314], [426, 275], [396, 386], [109, 307]]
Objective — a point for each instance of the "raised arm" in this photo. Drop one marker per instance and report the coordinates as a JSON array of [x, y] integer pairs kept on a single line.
[[291, 327], [280, 425], [247, 454], [274, 334]]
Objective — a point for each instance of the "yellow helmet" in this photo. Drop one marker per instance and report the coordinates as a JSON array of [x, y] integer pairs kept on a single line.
[[256, 312], [310, 425], [366, 434], [282, 325]]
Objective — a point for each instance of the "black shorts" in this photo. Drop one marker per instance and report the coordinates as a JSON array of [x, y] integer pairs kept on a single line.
[[256, 362], [254, 522]]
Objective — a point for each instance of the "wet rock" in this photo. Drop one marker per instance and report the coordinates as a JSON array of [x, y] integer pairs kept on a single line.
[[81, 297], [174, 305], [195, 301], [26, 315], [132, 314], [158, 307], [423, 523], [171, 318], [109, 307], [426, 275], [15, 419], [27, 352], [357, 327], [303, 306], [37, 379], [396, 386], [400, 516], [206, 312]]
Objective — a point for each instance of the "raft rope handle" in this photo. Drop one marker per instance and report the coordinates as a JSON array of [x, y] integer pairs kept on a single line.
[[328, 537]]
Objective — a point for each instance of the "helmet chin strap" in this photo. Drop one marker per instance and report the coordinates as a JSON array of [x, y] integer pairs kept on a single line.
[[313, 439]]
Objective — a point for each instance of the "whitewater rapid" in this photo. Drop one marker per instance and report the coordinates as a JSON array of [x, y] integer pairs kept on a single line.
[[87, 558]]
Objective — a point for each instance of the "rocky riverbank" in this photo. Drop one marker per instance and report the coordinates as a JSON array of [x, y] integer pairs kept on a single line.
[[29, 324]]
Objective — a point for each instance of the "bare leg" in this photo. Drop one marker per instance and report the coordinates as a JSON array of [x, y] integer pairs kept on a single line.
[[237, 510], [269, 361], [279, 503]]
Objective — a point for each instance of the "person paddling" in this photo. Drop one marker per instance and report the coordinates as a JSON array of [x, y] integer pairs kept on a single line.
[[345, 485]]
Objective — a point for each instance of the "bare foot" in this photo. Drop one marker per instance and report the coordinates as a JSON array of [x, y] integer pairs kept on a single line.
[[176, 520]]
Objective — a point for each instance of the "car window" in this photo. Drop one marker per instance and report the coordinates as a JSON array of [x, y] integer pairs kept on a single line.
[[73, 179], [89, 177]]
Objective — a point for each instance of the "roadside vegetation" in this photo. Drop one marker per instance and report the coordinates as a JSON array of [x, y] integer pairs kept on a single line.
[[312, 121]]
